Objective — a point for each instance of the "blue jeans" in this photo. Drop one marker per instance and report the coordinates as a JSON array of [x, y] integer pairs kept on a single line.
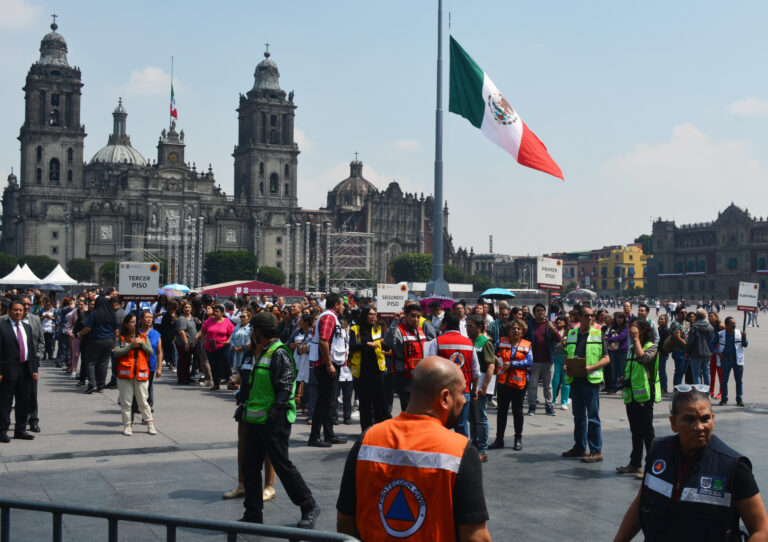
[[729, 364], [585, 401], [700, 370], [618, 360], [558, 381], [663, 370], [478, 427], [681, 365], [461, 423]]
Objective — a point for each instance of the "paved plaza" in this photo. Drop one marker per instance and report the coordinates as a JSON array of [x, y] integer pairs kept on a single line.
[[82, 458]]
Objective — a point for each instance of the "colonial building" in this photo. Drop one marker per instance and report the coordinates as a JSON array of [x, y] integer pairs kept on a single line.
[[708, 260], [120, 205]]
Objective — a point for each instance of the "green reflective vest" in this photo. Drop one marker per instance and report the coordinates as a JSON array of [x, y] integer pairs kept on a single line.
[[639, 389], [594, 352], [262, 394]]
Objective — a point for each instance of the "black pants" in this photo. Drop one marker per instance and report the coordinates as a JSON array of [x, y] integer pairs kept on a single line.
[[343, 389], [271, 439], [99, 354], [62, 354], [389, 390], [371, 394], [48, 337], [640, 416], [326, 403], [33, 417], [219, 365], [403, 389], [509, 396], [20, 388]]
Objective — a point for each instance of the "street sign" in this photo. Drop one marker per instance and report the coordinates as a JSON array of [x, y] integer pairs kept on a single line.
[[139, 281], [391, 298], [747, 301], [549, 274]]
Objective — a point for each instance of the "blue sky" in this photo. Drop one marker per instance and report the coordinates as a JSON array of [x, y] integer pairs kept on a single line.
[[650, 109]]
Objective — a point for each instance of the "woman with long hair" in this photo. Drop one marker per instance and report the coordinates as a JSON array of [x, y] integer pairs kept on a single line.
[[167, 329], [100, 328], [155, 360], [617, 339], [368, 367], [132, 351], [216, 336]]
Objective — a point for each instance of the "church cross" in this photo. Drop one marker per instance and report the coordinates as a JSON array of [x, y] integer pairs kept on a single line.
[[355, 156], [267, 46], [54, 17]]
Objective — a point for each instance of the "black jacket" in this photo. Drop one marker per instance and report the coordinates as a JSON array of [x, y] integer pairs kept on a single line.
[[282, 374], [699, 339]]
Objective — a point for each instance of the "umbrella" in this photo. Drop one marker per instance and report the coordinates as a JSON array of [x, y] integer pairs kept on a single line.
[[176, 286], [174, 290], [497, 293], [446, 303]]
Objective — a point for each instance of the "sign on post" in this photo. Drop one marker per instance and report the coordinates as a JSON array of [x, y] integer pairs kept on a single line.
[[139, 281], [390, 298], [747, 300], [549, 274]]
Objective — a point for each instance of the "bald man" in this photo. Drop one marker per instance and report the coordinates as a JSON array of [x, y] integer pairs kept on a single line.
[[411, 476]]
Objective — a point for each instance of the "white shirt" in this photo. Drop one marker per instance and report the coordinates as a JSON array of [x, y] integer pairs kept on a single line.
[[23, 336]]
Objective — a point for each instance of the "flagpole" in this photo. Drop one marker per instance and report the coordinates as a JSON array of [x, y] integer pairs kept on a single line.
[[170, 116], [438, 285]]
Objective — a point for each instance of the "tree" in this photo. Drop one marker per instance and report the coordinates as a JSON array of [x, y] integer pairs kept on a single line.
[[647, 242], [453, 274], [571, 286], [7, 263], [80, 269], [228, 265], [271, 275], [412, 267], [108, 273], [480, 283], [40, 265]]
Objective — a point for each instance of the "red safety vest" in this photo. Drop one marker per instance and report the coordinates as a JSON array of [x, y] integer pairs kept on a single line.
[[456, 347], [405, 474], [135, 364], [514, 377], [413, 347]]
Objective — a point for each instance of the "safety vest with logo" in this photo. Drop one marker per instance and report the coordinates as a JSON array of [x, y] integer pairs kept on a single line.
[[594, 352], [405, 475], [639, 389], [413, 347], [135, 364], [683, 502], [456, 347], [337, 346], [262, 394], [356, 357], [514, 377]]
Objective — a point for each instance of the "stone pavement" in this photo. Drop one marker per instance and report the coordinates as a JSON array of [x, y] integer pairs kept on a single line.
[[81, 458]]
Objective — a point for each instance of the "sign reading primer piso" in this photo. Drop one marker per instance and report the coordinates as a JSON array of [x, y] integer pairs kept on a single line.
[[391, 298], [139, 281], [747, 300], [549, 274]]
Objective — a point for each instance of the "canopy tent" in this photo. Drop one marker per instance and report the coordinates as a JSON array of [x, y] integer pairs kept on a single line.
[[251, 287], [21, 276], [58, 276]]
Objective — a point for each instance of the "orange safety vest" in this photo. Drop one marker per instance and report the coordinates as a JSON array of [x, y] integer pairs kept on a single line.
[[456, 347], [413, 347], [514, 377], [135, 364], [405, 473]]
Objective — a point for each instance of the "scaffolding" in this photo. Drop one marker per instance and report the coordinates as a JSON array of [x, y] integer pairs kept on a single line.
[[350, 257]]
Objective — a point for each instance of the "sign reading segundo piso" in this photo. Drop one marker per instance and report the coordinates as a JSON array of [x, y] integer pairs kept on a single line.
[[549, 274], [747, 300], [139, 281], [391, 298]]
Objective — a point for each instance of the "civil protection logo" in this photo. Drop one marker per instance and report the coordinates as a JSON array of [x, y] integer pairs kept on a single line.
[[153, 268], [500, 109], [402, 508], [458, 359], [659, 466]]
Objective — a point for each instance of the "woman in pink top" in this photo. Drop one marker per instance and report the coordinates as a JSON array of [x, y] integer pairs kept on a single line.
[[215, 335]]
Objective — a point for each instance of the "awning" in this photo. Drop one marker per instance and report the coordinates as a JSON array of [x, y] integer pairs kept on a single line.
[[251, 287]]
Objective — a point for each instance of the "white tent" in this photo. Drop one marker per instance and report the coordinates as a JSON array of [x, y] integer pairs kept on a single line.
[[20, 276], [58, 276]]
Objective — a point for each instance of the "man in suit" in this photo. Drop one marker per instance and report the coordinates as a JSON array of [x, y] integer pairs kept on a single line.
[[38, 340], [18, 371]]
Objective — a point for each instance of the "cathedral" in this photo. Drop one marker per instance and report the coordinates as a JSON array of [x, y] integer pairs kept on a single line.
[[120, 205]]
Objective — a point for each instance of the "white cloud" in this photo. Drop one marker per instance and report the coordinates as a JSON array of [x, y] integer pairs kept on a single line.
[[748, 107], [17, 13], [151, 81], [302, 140], [408, 145]]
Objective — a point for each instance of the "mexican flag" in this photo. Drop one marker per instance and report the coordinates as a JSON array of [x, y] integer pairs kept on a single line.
[[474, 96], [174, 112]]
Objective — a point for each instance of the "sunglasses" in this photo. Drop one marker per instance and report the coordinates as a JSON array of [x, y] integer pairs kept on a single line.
[[685, 388]]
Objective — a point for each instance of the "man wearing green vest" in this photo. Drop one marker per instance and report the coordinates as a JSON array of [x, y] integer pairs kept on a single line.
[[269, 413], [642, 388], [586, 342]]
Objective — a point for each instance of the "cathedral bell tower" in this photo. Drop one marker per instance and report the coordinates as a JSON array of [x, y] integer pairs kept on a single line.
[[52, 136], [266, 154]]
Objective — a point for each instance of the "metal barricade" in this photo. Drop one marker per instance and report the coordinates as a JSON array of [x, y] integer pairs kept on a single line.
[[171, 523]]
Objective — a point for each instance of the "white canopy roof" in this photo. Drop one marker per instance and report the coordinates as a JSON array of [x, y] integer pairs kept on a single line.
[[58, 276], [20, 275]]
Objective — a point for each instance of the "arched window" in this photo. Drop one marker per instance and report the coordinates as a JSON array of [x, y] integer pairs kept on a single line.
[[274, 183], [69, 176], [261, 169], [70, 155], [53, 170], [38, 175], [39, 153], [287, 171], [287, 190]]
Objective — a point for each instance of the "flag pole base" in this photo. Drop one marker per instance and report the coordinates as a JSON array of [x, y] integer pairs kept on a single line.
[[437, 287]]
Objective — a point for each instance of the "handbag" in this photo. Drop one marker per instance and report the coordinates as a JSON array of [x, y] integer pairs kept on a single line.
[[668, 345]]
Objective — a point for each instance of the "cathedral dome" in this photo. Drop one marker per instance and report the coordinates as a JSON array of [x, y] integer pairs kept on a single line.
[[266, 75], [53, 48], [119, 149], [352, 191]]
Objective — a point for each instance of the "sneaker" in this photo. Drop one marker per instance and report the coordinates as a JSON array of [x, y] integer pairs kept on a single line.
[[564, 406], [629, 469], [531, 411], [575, 452], [739, 402], [239, 491], [723, 402], [127, 431], [151, 428], [492, 402], [550, 411], [592, 458], [309, 517]]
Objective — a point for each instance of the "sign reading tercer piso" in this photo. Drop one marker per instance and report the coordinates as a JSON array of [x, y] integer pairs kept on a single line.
[[747, 301], [391, 298], [139, 281], [549, 274]]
